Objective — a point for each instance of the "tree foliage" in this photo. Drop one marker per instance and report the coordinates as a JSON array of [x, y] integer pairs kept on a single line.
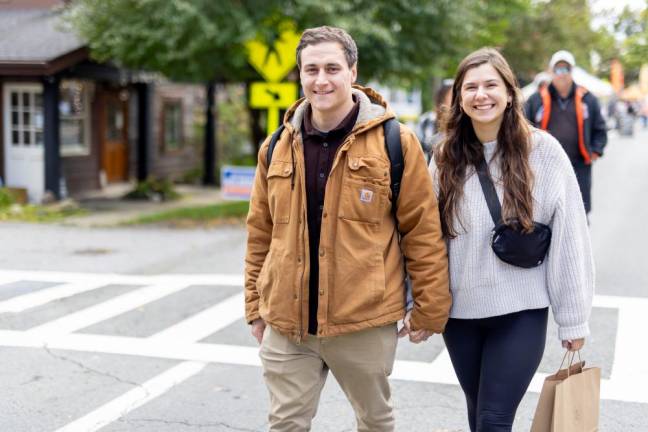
[[634, 46], [186, 40], [399, 40], [546, 27]]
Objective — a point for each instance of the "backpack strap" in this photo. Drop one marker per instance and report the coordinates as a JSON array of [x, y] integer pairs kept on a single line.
[[395, 153], [273, 142]]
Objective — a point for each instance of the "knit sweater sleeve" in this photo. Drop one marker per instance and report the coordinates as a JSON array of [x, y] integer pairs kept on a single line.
[[570, 264]]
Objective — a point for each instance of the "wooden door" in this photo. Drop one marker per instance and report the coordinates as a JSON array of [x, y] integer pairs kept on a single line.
[[114, 137]]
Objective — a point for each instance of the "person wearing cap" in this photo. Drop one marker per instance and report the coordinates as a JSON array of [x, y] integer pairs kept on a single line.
[[573, 116]]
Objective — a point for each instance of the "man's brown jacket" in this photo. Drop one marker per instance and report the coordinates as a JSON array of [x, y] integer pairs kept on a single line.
[[361, 277]]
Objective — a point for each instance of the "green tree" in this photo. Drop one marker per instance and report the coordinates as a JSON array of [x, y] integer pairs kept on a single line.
[[634, 46], [544, 27], [401, 42]]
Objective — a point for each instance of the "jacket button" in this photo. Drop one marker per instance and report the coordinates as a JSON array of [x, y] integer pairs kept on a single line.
[[321, 252], [295, 296], [355, 164], [299, 260], [321, 292], [286, 171], [325, 214]]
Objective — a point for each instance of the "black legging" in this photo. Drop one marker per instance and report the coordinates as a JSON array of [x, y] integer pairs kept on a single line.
[[495, 359]]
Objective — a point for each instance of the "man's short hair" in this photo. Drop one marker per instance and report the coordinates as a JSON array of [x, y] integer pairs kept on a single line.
[[317, 35]]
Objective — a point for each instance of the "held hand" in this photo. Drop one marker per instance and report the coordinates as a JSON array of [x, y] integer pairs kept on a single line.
[[595, 156], [574, 344], [257, 328], [418, 336], [405, 330]]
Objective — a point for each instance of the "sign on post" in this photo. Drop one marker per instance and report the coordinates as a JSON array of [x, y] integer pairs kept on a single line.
[[273, 63], [237, 182]]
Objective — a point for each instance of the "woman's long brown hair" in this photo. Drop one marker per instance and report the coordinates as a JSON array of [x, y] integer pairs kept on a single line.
[[461, 148]]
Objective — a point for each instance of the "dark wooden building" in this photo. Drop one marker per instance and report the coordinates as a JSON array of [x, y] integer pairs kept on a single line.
[[69, 124]]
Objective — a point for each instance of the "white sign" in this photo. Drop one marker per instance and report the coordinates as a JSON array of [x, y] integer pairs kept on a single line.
[[237, 182]]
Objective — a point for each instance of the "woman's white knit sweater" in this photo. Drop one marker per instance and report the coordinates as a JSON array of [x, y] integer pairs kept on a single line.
[[484, 286]]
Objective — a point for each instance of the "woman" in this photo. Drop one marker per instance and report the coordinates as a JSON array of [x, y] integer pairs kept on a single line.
[[496, 333]]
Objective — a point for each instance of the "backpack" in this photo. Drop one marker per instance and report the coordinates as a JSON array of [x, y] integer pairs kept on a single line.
[[392, 145]]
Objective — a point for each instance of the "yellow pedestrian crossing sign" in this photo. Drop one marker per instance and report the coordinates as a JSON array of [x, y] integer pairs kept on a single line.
[[276, 61], [272, 95]]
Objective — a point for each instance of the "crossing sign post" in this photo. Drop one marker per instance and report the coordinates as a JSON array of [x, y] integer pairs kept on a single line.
[[273, 63], [273, 97]]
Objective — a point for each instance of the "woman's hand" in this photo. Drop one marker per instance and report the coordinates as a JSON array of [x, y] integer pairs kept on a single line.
[[405, 330], [573, 344]]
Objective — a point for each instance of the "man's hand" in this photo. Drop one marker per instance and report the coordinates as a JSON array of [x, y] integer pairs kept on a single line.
[[595, 156], [257, 328], [419, 336], [405, 330], [574, 344]]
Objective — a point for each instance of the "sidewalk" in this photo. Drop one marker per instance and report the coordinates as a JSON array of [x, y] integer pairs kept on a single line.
[[107, 208]]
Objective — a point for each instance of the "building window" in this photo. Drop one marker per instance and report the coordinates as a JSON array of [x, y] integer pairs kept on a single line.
[[74, 112], [26, 107], [172, 125]]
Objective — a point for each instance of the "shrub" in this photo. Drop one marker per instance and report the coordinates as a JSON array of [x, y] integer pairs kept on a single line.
[[153, 189]]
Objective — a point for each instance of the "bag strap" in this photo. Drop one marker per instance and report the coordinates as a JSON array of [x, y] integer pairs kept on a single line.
[[488, 188], [394, 149], [395, 152], [273, 142]]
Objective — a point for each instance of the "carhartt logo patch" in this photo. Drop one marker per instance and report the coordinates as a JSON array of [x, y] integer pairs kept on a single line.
[[366, 196]]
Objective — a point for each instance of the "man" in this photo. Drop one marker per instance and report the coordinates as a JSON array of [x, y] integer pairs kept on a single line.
[[428, 128], [324, 277], [573, 116]]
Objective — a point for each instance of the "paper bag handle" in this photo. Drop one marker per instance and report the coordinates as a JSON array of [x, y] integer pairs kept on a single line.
[[571, 361]]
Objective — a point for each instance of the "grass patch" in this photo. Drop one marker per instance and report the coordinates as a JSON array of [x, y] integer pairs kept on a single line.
[[35, 213], [186, 216]]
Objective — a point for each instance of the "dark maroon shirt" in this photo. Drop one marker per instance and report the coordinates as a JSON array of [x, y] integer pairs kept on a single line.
[[320, 149]]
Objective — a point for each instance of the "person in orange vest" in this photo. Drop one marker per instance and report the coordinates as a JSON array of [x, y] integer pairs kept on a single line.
[[573, 116]]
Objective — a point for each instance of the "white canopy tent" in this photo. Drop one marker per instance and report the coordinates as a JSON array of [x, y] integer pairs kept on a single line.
[[595, 85]]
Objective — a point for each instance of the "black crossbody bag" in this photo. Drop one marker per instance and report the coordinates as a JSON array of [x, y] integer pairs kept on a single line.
[[509, 242]]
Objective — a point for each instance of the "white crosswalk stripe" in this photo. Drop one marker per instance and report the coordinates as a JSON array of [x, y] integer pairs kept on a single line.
[[180, 341]]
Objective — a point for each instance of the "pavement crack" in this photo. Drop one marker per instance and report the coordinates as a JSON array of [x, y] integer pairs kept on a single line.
[[189, 424], [126, 410], [94, 371]]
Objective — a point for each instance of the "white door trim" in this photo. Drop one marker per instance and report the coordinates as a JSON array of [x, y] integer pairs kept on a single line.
[[34, 182]]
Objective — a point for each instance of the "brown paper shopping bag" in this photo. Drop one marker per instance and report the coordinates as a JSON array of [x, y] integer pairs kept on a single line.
[[569, 400]]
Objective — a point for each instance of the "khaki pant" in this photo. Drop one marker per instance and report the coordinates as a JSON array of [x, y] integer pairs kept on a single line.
[[360, 362]]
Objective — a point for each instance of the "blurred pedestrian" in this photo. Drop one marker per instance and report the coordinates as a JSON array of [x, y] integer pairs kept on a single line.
[[573, 116], [644, 112], [429, 128], [492, 161], [324, 275]]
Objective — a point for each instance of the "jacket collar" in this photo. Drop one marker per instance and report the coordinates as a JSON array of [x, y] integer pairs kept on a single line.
[[373, 110]]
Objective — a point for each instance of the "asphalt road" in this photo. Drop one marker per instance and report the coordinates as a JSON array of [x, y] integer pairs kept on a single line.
[[141, 329]]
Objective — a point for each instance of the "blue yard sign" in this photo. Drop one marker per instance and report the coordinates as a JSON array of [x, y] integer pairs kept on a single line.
[[236, 182]]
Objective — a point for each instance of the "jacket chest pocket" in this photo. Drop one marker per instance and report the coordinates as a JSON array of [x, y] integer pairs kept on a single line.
[[365, 190], [280, 191]]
